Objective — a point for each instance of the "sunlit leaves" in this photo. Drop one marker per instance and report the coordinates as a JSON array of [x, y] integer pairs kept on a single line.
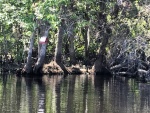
[[8, 8], [63, 2], [82, 13]]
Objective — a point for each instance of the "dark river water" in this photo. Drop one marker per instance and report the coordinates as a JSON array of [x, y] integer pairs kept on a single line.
[[73, 94]]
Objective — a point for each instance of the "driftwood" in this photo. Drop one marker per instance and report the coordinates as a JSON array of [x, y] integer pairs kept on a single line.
[[125, 74], [132, 67], [118, 67], [142, 72], [128, 57], [144, 75]]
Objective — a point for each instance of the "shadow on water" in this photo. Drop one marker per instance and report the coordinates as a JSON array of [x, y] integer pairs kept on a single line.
[[73, 94]]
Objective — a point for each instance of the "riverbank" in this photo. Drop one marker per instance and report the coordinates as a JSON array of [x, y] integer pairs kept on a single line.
[[51, 68]]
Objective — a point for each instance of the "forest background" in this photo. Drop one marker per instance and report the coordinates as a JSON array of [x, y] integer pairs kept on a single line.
[[75, 36]]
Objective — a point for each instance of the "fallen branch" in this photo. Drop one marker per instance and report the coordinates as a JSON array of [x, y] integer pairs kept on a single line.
[[125, 73]]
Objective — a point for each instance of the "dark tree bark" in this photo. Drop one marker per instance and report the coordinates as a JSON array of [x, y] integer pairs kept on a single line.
[[100, 64], [72, 51], [5, 48], [85, 32], [71, 44], [58, 50], [28, 66], [44, 31], [72, 24]]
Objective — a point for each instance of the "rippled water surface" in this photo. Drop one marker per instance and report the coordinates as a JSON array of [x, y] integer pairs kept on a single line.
[[73, 94]]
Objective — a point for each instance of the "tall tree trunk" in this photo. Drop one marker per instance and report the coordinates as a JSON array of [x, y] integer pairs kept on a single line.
[[39, 46], [5, 51], [58, 50], [5, 48], [41, 55], [28, 66], [85, 36], [72, 23], [100, 63], [72, 51], [71, 47]]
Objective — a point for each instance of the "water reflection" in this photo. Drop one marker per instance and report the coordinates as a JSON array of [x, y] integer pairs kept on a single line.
[[73, 94]]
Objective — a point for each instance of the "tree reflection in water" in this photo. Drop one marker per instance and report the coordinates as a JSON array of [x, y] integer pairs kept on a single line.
[[73, 94]]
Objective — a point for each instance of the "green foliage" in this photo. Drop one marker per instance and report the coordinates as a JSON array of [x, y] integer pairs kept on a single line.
[[15, 15]]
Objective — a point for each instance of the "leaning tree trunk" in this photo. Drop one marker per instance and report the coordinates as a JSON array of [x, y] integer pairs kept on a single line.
[[42, 47], [58, 50], [28, 66]]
